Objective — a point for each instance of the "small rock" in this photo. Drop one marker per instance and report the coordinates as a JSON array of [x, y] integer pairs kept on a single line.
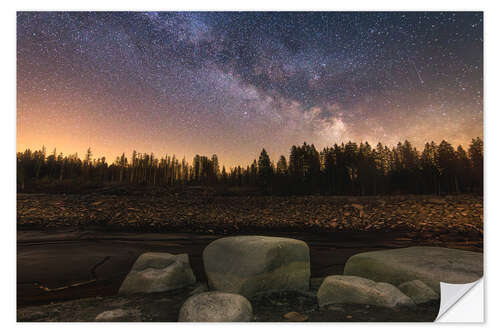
[[34, 316], [295, 316], [335, 308], [344, 289], [358, 206], [437, 201], [114, 315], [216, 306], [418, 291], [155, 272]]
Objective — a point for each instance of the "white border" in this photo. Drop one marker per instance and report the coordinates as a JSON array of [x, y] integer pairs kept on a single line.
[[8, 124]]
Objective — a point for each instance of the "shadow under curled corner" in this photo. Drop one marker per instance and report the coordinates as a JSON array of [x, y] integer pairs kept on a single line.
[[461, 302]]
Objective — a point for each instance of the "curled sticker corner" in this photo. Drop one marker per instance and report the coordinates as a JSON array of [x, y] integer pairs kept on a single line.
[[451, 294]]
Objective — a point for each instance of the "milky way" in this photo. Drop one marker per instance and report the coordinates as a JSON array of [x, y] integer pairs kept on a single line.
[[232, 83]]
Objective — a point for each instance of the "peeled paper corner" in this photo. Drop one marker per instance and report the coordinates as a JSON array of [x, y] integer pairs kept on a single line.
[[461, 303]]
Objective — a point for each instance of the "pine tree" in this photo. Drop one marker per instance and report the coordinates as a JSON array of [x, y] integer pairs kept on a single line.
[[265, 170], [281, 167], [476, 158]]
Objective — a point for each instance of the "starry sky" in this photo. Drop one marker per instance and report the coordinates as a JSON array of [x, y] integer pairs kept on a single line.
[[232, 83]]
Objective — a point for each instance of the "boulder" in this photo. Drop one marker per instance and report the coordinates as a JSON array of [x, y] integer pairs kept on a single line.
[[430, 265], [249, 265], [343, 289], [156, 272], [215, 306], [295, 316], [418, 291]]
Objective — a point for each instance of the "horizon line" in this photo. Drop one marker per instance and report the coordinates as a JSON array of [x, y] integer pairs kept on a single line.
[[373, 146]]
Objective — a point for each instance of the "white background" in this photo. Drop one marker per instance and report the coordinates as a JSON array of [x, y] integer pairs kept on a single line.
[[8, 168]]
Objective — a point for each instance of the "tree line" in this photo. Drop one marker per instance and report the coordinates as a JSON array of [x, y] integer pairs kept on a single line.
[[345, 169]]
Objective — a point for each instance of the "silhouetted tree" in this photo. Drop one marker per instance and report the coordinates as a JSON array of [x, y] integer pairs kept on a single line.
[[345, 169], [265, 169], [476, 158], [281, 167]]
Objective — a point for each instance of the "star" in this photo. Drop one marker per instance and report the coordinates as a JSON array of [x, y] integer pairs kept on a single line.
[[190, 83]]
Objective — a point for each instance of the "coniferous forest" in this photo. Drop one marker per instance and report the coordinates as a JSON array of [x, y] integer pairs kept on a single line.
[[345, 169]]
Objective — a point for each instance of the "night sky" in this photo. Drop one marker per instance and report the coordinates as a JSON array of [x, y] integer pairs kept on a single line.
[[233, 83]]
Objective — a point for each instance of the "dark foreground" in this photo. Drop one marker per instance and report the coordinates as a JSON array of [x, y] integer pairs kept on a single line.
[[164, 307], [76, 264], [64, 255]]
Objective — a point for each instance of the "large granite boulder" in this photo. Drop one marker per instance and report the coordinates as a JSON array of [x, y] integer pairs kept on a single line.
[[343, 289], [155, 272], [418, 291], [215, 306], [430, 265], [250, 265]]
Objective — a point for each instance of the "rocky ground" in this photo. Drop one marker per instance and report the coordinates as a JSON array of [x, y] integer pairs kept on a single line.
[[275, 307], [418, 216], [78, 248], [72, 263]]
